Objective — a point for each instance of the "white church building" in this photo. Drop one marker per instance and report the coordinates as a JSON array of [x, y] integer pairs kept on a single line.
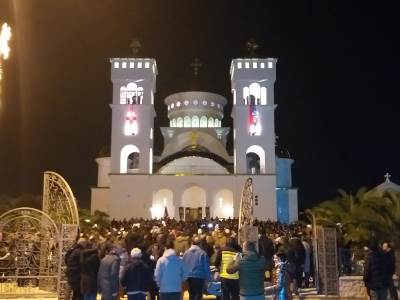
[[194, 177]]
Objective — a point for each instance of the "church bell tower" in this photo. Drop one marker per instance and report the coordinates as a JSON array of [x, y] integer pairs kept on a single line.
[[253, 115], [134, 84]]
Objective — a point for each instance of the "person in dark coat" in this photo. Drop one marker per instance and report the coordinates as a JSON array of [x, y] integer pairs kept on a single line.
[[251, 268], [90, 262], [375, 273], [108, 279], [390, 268], [299, 255], [137, 276], [73, 262], [266, 248]]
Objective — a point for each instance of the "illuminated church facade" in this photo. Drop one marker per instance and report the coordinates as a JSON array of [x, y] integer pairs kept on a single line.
[[194, 177]]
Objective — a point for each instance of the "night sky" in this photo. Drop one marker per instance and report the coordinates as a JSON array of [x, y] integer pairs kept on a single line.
[[336, 89]]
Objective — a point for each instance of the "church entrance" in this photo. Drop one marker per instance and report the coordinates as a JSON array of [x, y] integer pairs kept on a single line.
[[193, 204]]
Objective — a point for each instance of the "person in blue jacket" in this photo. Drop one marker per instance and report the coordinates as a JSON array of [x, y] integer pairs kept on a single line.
[[198, 265]]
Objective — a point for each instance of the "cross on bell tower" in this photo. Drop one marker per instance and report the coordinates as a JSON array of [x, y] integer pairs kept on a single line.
[[387, 176], [135, 46], [196, 64]]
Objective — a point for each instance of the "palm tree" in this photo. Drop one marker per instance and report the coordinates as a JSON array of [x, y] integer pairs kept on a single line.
[[362, 216]]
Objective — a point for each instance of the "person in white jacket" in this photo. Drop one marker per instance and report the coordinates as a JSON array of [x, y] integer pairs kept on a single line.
[[170, 273]]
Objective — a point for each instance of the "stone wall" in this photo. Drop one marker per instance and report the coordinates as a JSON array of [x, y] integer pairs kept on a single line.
[[352, 287]]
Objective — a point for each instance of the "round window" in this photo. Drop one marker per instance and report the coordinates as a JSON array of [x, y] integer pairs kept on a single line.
[[204, 102], [178, 103], [186, 102], [195, 102]]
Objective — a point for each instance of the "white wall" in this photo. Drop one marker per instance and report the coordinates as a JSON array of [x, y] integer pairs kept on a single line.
[[132, 195]]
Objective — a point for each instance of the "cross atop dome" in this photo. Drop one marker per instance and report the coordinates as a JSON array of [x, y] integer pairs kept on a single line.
[[387, 177], [135, 46], [196, 64]]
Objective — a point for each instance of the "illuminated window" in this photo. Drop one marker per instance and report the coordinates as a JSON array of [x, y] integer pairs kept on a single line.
[[131, 65], [139, 65], [204, 102], [216, 123], [134, 94], [173, 122], [212, 104], [170, 123], [147, 65], [186, 103], [254, 65], [203, 121], [178, 104], [195, 121], [255, 158], [151, 133], [195, 102], [187, 121], [168, 107], [262, 65], [131, 126], [218, 105], [270, 65], [172, 106], [254, 121], [239, 65], [179, 122], [255, 92], [263, 96], [116, 65], [122, 96], [247, 65], [124, 65], [151, 160], [210, 122]]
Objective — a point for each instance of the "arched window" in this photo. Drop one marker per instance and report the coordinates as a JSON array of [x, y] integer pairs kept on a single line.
[[187, 121], [264, 96], [122, 95], [203, 121], [255, 160], [129, 159], [246, 94], [216, 123], [255, 92], [195, 121], [179, 122], [173, 122], [210, 122], [131, 125], [253, 163], [134, 94]]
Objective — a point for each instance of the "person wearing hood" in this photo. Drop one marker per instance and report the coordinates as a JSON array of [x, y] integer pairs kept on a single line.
[[281, 290], [136, 276], [170, 273], [198, 264]]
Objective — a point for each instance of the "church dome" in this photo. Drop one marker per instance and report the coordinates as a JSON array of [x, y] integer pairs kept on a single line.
[[195, 109], [388, 185]]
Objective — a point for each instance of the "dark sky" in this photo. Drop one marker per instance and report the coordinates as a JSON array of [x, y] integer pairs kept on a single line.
[[336, 88]]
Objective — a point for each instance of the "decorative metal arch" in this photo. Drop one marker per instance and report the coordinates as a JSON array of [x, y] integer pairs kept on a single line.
[[58, 200], [247, 232], [246, 204], [32, 238]]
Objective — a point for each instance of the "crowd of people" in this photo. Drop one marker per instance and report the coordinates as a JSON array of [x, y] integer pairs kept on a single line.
[[162, 258]]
